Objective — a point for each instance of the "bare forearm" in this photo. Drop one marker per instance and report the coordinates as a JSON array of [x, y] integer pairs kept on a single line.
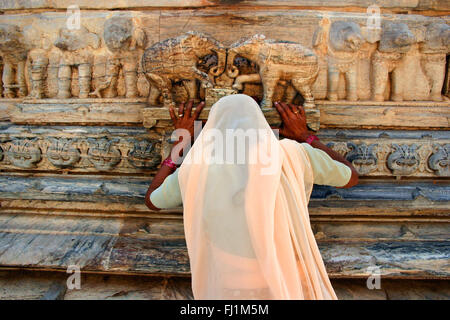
[[160, 176]]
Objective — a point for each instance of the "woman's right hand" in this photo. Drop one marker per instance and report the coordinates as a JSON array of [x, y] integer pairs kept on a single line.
[[294, 121], [185, 118]]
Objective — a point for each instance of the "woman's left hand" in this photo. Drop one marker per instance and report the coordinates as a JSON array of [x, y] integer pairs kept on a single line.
[[185, 118]]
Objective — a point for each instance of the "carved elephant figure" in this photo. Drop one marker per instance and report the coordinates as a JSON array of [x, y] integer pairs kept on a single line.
[[13, 51], [342, 50], [396, 40], [37, 61], [277, 61], [433, 60], [176, 59], [76, 46], [122, 38]]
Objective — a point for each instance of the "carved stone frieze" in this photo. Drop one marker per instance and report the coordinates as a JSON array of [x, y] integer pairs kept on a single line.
[[121, 55], [440, 160], [23, 153], [401, 158], [90, 150]]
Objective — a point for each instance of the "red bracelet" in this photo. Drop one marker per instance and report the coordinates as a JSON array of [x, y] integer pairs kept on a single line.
[[311, 138], [168, 162]]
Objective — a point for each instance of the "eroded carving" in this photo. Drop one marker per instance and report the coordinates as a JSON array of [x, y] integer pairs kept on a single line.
[[396, 40], [123, 39], [433, 60], [341, 47], [23, 153], [277, 61], [404, 160], [76, 46], [363, 157], [13, 51], [62, 152], [175, 60], [146, 154], [103, 154], [440, 160]]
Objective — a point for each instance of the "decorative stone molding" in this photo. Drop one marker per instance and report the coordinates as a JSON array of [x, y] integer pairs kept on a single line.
[[122, 58], [78, 149]]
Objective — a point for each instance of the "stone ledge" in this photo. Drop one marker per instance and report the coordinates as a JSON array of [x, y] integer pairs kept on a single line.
[[118, 246]]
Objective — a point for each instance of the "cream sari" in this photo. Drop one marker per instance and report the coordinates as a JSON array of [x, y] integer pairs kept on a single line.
[[247, 225]]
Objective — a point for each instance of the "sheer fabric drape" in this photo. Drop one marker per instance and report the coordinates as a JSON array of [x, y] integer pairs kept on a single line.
[[246, 224]]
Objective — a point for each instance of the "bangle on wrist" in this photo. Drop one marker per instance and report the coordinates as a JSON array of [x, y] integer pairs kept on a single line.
[[311, 138], [169, 163]]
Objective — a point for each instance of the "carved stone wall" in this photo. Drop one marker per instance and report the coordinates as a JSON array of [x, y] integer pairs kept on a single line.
[[84, 124]]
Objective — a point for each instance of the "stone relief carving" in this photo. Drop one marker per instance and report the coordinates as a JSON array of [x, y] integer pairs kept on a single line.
[[363, 157], [103, 154], [146, 154], [76, 46], [341, 45], [396, 40], [404, 159], [13, 51], [23, 153], [277, 69], [440, 160], [434, 50], [277, 60], [62, 152], [123, 40], [175, 60]]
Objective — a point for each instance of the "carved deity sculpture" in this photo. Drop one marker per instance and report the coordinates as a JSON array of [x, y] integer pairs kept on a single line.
[[13, 51], [277, 61], [76, 46], [396, 40], [342, 50], [434, 50], [122, 39], [176, 60]]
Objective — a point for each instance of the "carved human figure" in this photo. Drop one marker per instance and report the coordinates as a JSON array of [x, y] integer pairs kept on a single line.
[[76, 46], [396, 40], [176, 59], [13, 51], [433, 59], [277, 61], [342, 51], [122, 39]]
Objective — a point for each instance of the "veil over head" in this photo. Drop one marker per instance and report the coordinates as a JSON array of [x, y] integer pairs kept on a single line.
[[246, 221]]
